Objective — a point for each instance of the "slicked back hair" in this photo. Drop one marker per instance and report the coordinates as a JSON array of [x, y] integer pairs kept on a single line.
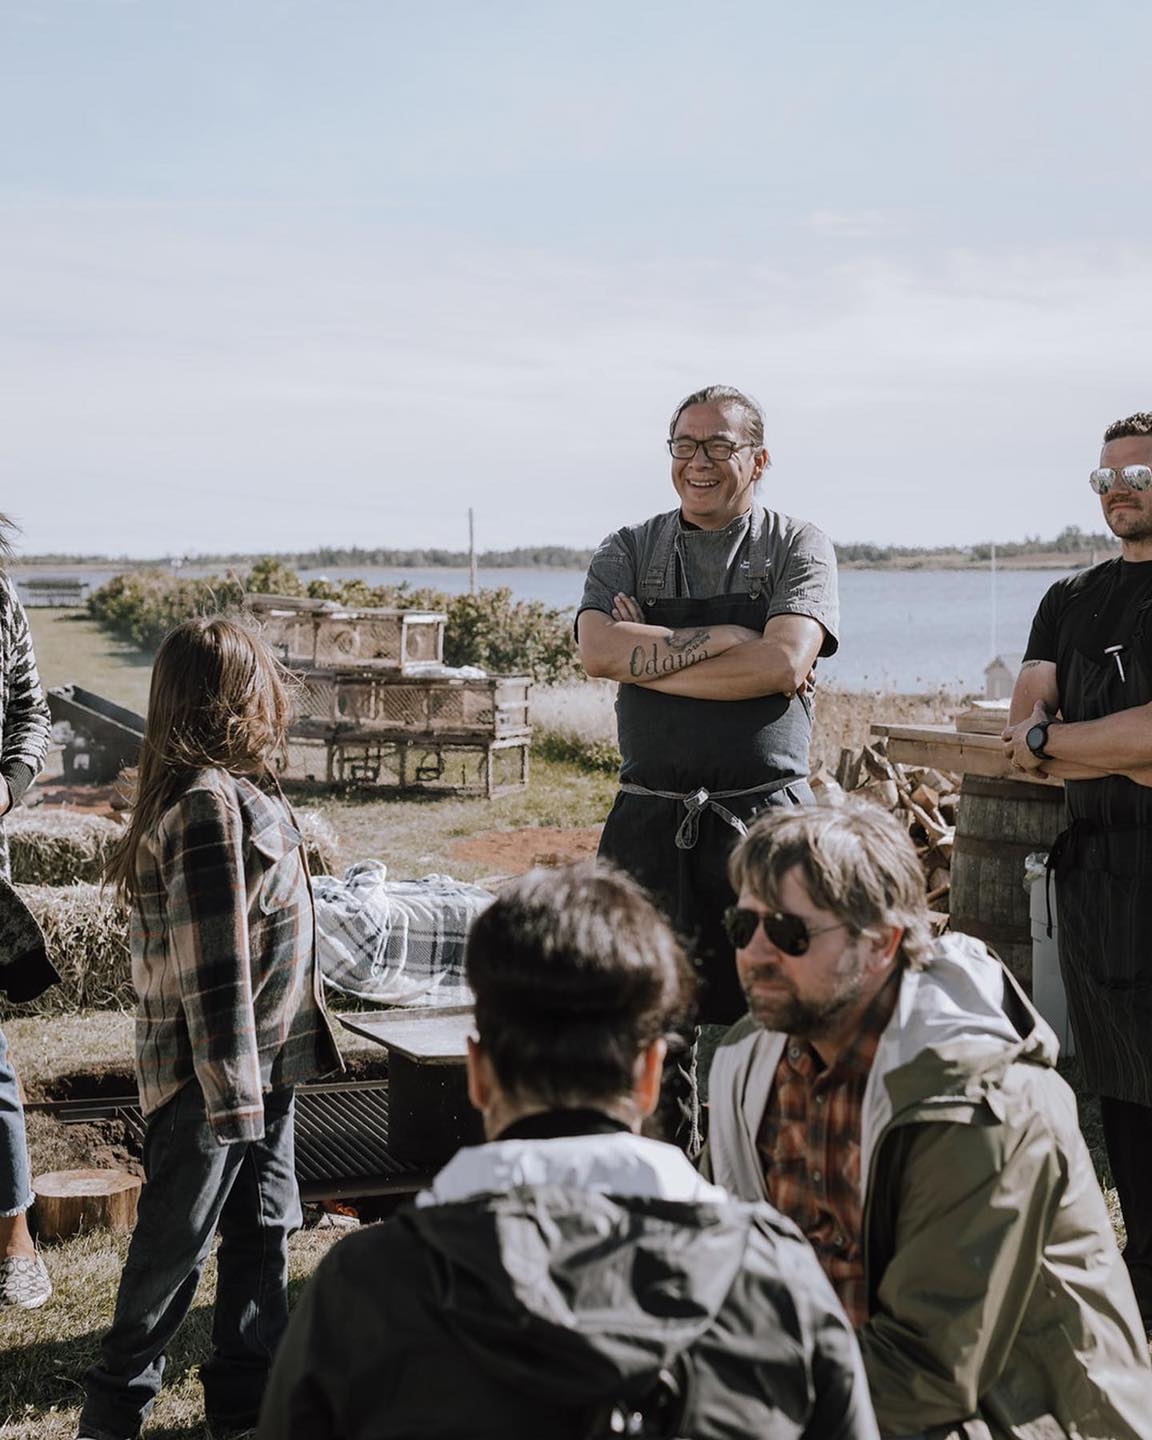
[[855, 860], [575, 974], [749, 408], [1139, 424]]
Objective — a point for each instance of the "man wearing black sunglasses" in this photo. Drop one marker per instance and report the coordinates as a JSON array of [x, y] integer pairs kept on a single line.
[[1082, 712], [711, 618], [895, 1095]]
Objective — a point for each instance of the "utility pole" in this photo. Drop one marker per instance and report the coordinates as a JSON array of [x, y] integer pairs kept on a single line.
[[471, 552]]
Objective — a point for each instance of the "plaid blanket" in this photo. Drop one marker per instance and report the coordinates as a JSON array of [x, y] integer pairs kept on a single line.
[[396, 942]]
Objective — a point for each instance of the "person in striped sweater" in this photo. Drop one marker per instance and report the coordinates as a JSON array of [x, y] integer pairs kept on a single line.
[[25, 729]]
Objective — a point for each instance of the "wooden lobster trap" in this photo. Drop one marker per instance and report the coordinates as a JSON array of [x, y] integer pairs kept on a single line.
[[315, 634], [463, 763], [364, 700]]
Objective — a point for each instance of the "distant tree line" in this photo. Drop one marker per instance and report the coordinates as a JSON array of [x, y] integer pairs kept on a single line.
[[1070, 541]]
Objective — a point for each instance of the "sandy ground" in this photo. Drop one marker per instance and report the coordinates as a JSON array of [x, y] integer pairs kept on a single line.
[[511, 852]]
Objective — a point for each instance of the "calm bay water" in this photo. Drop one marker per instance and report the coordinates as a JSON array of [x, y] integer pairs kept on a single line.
[[907, 630], [900, 629]]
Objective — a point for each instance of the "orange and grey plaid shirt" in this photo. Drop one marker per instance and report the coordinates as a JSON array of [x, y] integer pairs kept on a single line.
[[809, 1144]]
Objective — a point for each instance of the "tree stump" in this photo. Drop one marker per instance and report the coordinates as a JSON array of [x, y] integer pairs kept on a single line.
[[69, 1201]]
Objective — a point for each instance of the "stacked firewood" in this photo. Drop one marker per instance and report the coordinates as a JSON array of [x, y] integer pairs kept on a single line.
[[925, 800]]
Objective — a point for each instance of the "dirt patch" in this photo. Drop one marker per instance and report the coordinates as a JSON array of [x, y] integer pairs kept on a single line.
[[88, 799], [511, 852]]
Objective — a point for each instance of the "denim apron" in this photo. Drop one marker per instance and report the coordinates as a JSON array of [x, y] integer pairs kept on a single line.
[[1103, 866], [695, 772]]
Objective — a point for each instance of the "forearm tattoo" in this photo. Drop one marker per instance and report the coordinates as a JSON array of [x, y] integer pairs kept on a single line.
[[676, 652]]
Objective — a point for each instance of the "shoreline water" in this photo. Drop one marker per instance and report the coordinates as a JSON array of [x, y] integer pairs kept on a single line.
[[903, 631]]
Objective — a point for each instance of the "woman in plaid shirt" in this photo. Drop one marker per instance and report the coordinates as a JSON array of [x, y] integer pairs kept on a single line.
[[229, 1020]]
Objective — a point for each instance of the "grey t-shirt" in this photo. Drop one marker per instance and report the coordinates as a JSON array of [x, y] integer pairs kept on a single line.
[[801, 576]]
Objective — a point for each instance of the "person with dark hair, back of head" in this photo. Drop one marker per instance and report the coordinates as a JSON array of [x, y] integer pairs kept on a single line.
[[896, 1096], [711, 617], [570, 1278]]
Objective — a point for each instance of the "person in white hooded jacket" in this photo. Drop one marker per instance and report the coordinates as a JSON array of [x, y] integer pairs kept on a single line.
[[896, 1096]]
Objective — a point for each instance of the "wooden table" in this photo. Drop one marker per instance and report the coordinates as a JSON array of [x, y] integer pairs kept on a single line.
[[961, 751], [429, 1114]]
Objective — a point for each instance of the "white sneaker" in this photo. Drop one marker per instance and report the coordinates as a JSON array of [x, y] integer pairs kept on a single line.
[[24, 1282]]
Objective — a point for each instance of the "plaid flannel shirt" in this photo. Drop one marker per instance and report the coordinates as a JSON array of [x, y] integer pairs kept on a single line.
[[809, 1144], [223, 955]]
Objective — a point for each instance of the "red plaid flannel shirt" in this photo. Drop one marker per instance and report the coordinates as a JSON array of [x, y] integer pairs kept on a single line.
[[809, 1144]]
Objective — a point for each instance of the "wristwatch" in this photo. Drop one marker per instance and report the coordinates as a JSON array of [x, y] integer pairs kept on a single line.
[[1037, 738]]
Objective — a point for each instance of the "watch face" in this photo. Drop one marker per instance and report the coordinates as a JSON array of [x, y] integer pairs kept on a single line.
[[1037, 738]]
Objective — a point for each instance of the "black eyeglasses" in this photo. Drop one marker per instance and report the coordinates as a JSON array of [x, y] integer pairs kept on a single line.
[[685, 448], [789, 933]]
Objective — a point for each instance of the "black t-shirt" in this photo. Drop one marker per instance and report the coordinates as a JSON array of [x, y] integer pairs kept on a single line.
[[1111, 604]]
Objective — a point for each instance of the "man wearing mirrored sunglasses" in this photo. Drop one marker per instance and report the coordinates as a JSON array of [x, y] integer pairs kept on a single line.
[[1082, 711], [895, 1095], [711, 617]]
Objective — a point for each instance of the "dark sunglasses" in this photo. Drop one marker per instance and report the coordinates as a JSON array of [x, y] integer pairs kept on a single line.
[[789, 933]]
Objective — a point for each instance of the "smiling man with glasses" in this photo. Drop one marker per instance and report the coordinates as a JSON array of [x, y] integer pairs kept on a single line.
[[711, 617], [895, 1095], [1082, 712]]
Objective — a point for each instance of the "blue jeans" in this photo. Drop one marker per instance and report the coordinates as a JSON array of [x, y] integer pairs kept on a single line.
[[247, 1190], [15, 1180]]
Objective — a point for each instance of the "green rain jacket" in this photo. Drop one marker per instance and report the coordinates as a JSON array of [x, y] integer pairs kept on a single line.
[[1000, 1308]]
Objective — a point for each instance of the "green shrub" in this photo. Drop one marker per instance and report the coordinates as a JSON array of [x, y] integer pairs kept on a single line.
[[597, 756], [489, 629], [144, 605]]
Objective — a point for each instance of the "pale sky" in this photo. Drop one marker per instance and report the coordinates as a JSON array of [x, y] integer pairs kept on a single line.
[[280, 273]]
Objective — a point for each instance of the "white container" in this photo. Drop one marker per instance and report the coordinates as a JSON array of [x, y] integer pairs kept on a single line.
[[1047, 982]]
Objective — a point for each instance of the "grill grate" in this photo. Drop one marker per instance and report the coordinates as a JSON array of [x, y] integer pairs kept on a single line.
[[341, 1138]]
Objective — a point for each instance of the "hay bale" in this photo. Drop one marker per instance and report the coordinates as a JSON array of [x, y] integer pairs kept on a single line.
[[64, 847], [86, 928], [320, 843], [59, 847]]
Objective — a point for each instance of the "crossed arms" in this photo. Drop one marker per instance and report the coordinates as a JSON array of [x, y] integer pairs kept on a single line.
[[1119, 744], [716, 662]]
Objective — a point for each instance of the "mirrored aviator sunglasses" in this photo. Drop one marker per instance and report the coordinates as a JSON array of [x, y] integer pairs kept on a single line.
[[789, 933], [1135, 477]]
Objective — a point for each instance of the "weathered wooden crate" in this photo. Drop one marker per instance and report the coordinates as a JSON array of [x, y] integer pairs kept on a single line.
[[318, 633], [379, 637], [461, 763], [429, 704]]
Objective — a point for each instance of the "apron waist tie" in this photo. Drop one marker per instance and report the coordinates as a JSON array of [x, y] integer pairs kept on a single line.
[[1076, 830], [688, 831]]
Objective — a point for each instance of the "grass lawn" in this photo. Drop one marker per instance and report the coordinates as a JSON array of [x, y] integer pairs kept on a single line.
[[70, 648]]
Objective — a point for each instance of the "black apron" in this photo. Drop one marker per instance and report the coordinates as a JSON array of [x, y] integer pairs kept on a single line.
[[696, 771], [1103, 867]]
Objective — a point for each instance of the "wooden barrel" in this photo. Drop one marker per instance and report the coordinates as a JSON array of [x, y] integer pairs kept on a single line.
[[999, 823]]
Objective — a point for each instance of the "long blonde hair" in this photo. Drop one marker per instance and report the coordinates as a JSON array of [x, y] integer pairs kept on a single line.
[[218, 700]]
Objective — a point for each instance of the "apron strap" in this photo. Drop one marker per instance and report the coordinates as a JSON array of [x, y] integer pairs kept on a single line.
[[652, 585], [688, 831], [757, 551]]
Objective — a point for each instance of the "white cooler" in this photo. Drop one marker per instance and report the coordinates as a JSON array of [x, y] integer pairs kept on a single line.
[[1047, 982]]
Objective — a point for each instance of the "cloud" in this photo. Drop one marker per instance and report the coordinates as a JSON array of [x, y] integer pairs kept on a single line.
[[215, 379]]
